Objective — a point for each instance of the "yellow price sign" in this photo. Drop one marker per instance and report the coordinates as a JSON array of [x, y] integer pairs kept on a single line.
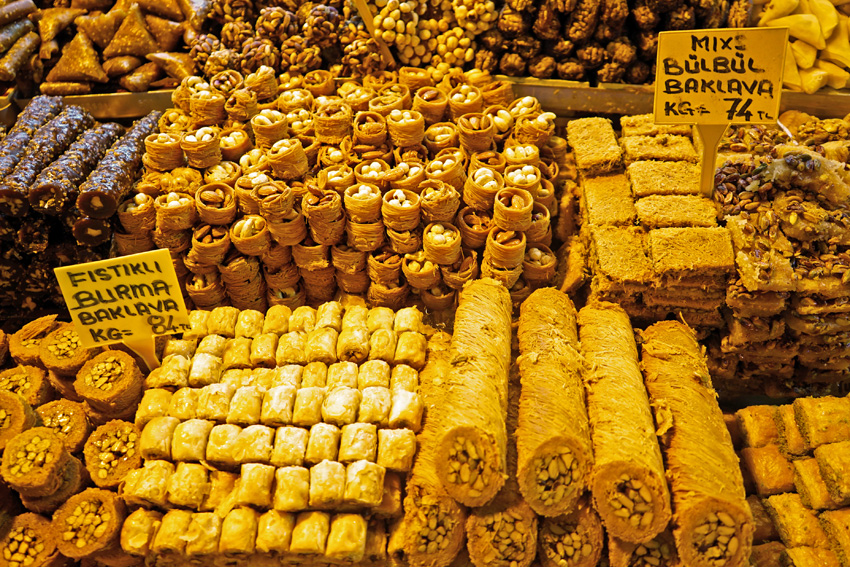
[[713, 78], [130, 299], [725, 76]]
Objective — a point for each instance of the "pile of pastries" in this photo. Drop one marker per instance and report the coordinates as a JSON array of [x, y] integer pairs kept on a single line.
[[795, 463], [101, 46], [344, 434], [63, 176], [279, 193]]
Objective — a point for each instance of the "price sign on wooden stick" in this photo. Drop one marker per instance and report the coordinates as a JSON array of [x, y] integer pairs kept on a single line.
[[713, 78], [130, 300]]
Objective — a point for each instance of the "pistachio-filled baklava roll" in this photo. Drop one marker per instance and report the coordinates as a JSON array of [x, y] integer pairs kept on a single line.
[[173, 372], [290, 348], [246, 406], [364, 484], [25, 343], [30, 540], [214, 402], [628, 471], [706, 483], [278, 403], [220, 445], [222, 321], [575, 539], [66, 418], [111, 452], [327, 485], [255, 486], [472, 412], [33, 462], [427, 506], [660, 551], [323, 444], [310, 535], [340, 406], [321, 345], [553, 436], [375, 406], [99, 536], [203, 534], [274, 532], [110, 382], [237, 353], [18, 416], [61, 351], [139, 530], [254, 444]]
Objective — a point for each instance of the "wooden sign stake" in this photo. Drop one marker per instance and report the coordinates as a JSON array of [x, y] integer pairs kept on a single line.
[[146, 349], [368, 18], [710, 136]]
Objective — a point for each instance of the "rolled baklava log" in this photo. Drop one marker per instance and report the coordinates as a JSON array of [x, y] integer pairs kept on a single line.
[[628, 472], [68, 420], [660, 551], [31, 542], [46, 144], [713, 521], [553, 437], [62, 353], [36, 114], [109, 183], [111, 452], [504, 531], [55, 189], [33, 462], [89, 524], [110, 382], [575, 539], [16, 416], [29, 382], [434, 524], [139, 530], [472, 416]]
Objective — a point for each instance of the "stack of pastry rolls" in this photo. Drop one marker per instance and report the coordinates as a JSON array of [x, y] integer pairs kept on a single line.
[[287, 432]]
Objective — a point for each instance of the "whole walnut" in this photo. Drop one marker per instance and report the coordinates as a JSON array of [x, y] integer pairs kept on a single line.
[[224, 11], [520, 5], [513, 23], [622, 52], [276, 24], [219, 61], [611, 72], [486, 60], [571, 70], [647, 45], [740, 14], [234, 34], [493, 40], [638, 73], [542, 67], [561, 49], [645, 18], [592, 55], [526, 46], [362, 57], [202, 45], [297, 57], [682, 18], [258, 52], [512, 64], [321, 26], [583, 20], [547, 25], [612, 19]]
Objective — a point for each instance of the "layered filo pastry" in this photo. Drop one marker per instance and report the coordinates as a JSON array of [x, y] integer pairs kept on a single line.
[[214, 402], [189, 440], [237, 353], [342, 375], [246, 406], [249, 323], [291, 348], [323, 443], [292, 489], [173, 372], [277, 406], [206, 367], [222, 321], [184, 403], [290, 446], [340, 406], [188, 486]]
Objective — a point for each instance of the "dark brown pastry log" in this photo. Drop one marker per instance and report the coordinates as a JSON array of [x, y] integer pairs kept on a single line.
[[111, 181], [48, 142], [55, 188], [18, 55]]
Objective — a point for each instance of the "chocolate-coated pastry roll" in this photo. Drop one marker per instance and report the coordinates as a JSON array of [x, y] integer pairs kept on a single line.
[[110, 182], [90, 231], [36, 114], [17, 56], [55, 188], [47, 143]]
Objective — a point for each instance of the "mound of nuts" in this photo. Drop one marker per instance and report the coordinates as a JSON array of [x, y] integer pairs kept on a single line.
[[86, 523], [249, 226], [116, 444], [205, 134], [538, 257], [554, 474], [103, 375], [139, 201], [65, 344]]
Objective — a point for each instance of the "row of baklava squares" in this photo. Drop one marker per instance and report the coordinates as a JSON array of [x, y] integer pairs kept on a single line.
[[228, 445], [270, 538], [339, 394], [229, 338], [326, 485]]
